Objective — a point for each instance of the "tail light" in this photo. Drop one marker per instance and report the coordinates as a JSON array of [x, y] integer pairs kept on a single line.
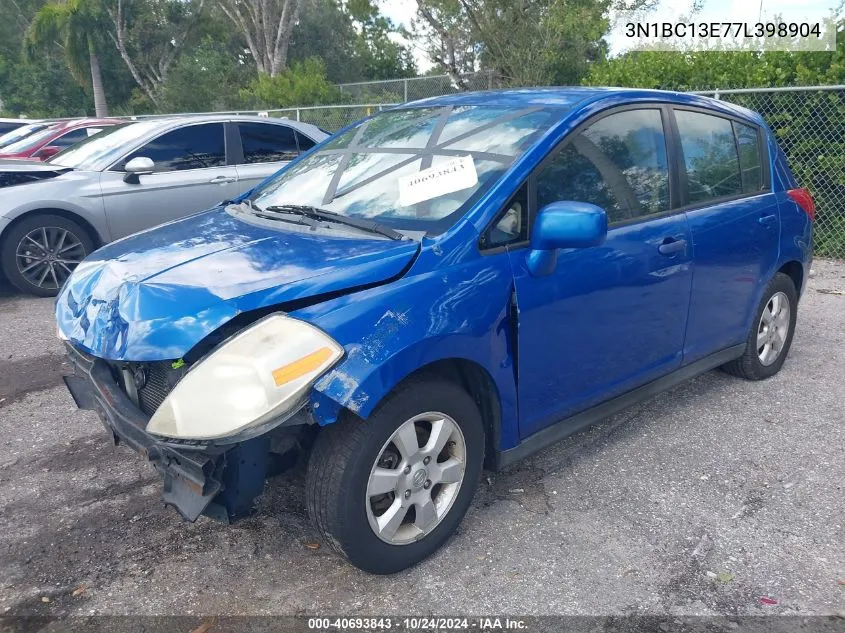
[[804, 200]]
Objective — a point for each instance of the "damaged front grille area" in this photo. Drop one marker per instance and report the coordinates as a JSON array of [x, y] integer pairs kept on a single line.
[[148, 384]]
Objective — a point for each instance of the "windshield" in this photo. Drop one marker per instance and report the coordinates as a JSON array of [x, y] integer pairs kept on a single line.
[[416, 169], [21, 132], [29, 142], [100, 150]]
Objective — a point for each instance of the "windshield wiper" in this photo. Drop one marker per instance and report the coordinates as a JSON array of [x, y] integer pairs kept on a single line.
[[316, 213], [256, 211]]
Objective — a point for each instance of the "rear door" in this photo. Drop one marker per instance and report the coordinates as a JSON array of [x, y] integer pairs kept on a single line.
[[265, 148], [611, 317], [734, 222], [191, 174]]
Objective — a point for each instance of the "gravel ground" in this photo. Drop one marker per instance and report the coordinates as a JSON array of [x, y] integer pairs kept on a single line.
[[701, 501]]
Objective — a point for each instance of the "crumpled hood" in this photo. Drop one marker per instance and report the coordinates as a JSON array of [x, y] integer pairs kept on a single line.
[[156, 294]]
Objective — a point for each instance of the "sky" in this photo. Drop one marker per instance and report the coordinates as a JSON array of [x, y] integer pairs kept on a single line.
[[401, 12]]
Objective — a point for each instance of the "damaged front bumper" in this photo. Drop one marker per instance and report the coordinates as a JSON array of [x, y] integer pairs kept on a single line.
[[220, 481]]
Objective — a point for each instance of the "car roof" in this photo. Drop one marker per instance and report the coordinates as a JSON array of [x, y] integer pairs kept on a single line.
[[577, 96], [86, 122], [167, 121]]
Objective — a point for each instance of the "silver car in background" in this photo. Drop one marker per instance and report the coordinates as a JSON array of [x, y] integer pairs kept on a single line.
[[131, 177], [21, 131]]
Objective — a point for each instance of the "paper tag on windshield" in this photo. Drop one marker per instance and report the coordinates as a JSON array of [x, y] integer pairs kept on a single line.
[[434, 182]]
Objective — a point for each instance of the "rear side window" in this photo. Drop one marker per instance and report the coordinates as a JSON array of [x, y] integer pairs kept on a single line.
[[71, 138], [750, 165], [267, 143], [618, 163], [305, 143], [192, 147], [710, 156]]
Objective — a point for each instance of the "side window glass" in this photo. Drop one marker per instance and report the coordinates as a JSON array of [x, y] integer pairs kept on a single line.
[[710, 156], [193, 147], [618, 163], [71, 138], [511, 225], [267, 143], [747, 141], [305, 143]]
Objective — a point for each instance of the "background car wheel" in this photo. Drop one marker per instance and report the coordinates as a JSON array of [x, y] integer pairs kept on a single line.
[[389, 491], [771, 333], [39, 253]]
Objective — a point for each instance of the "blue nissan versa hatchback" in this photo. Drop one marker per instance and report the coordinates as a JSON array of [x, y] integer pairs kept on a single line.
[[453, 283]]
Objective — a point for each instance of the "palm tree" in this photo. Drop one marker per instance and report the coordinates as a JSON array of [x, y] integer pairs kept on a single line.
[[74, 25]]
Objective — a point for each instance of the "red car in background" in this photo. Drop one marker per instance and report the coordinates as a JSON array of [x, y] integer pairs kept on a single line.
[[54, 138]]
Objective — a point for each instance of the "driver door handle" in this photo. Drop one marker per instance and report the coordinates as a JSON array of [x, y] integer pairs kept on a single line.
[[671, 245], [222, 180]]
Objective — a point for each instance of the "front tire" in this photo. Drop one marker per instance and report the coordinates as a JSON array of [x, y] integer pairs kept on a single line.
[[387, 492], [771, 332], [39, 253]]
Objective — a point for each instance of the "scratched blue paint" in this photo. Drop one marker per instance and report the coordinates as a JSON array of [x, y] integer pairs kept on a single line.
[[603, 319]]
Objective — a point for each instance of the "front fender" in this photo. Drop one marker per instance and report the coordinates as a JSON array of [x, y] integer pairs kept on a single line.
[[452, 312]]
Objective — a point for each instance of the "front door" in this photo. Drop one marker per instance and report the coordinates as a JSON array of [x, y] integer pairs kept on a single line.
[[611, 317], [190, 175]]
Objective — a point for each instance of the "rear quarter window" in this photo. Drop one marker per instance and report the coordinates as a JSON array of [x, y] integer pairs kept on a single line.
[[750, 161]]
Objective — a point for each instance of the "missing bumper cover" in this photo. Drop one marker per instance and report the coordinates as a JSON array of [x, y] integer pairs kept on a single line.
[[219, 481]]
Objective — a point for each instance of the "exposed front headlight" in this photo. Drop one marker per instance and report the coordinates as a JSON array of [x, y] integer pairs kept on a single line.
[[257, 376]]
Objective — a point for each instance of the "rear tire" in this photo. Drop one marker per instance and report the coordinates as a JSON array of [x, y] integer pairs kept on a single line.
[[771, 332], [426, 491], [39, 253]]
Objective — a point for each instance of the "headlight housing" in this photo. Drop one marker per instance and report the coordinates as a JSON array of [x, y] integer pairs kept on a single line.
[[254, 378]]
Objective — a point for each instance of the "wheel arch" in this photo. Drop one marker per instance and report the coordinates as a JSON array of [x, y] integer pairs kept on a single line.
[[92, 232], [481, 387], [795, 271], [494, 400]]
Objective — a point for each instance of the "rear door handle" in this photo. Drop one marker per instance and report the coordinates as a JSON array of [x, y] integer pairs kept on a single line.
[[767, 219], [670, 246], [221, 180]]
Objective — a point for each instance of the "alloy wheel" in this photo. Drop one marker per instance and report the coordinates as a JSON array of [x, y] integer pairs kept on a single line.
[[773, 328], [416, 478], [47, 255]]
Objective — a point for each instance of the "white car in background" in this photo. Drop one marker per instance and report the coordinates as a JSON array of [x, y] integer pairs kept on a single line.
[[131, 177]]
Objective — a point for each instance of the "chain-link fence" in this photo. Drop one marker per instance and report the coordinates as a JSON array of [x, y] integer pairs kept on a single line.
[[327, 117], [809, 123], [330, 118], [413, 88]]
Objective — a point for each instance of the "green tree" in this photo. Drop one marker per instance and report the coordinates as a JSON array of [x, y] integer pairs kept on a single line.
[[304, 83], [149, 35], [381, 57], [526, 42], [75, 25], [208, 77], [353, 40], [448, 37]]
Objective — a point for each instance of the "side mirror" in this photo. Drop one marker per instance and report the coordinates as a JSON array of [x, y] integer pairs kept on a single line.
[[47, 152], [564, 225], [138, 166]]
